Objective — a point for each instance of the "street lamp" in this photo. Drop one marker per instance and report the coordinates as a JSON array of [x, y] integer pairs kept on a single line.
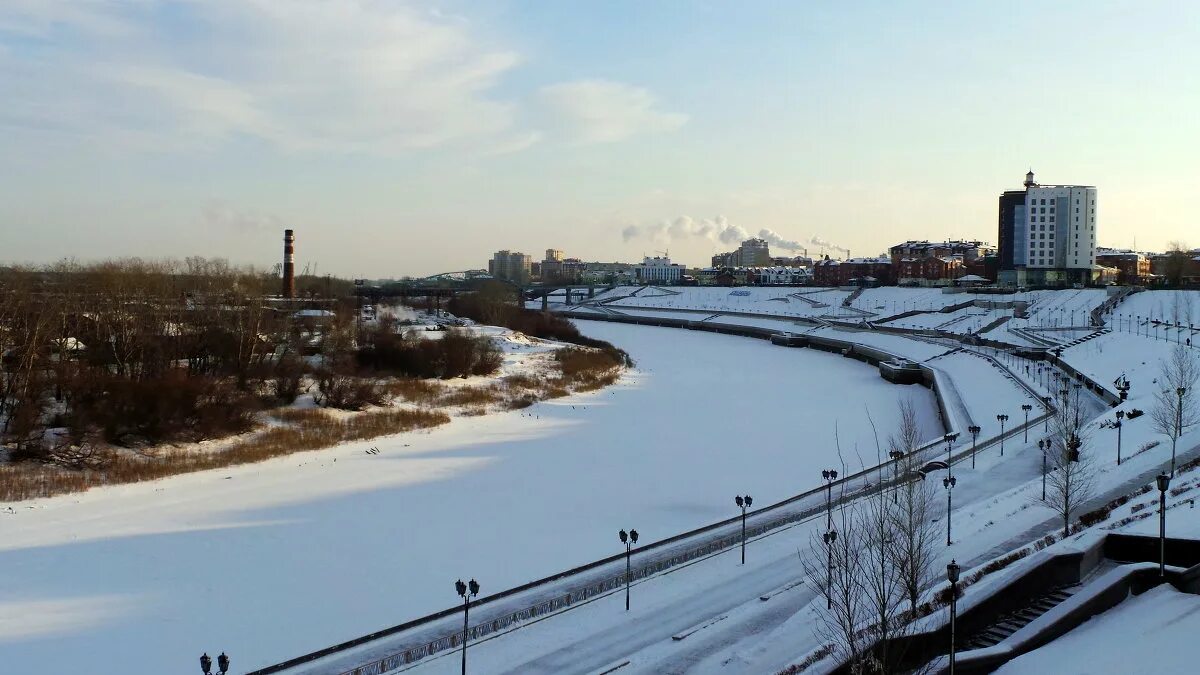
[[974, 429], [743, 503], [1117, 425], [949, 482], [949, 438], [1180, 392], [629, 539], [466, 592], [952, 571], [1049, 402], [830, 537], [1001, 419], [829, 475], [206, 664], [1026, 408], [1043, 445], [896, 456], [1164, 482]]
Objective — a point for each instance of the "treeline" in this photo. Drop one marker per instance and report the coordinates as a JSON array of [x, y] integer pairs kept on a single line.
[[493, 305], [136, 353]]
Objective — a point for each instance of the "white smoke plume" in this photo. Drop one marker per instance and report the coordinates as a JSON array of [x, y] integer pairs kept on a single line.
[[822, 243], [775, 240], [717, 229], [684, 227]]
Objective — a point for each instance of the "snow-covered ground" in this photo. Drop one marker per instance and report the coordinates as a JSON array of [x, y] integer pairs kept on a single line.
[[1149, 633], [272, 560]]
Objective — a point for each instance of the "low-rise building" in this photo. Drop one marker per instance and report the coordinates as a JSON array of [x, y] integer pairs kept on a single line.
[[658, 270], [853, 272], [1133, 268]]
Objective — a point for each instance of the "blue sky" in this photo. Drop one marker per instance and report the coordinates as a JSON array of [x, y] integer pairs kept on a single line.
[[413, 138]]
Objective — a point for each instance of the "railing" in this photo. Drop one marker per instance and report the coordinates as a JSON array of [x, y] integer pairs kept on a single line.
[[886, 473]]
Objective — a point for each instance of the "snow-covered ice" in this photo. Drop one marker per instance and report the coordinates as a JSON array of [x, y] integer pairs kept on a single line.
[[273, 560]]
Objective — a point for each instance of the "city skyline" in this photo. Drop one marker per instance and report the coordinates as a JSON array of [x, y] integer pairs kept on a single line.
[[416, 139]]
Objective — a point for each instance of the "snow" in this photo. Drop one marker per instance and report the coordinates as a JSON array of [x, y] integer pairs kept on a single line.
[[1150, 632], [227, 560], [352, 543]]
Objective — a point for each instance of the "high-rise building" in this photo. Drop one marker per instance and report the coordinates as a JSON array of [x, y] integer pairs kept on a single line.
[[754, 253], [510, 265], [553, 254], [1047, 234]]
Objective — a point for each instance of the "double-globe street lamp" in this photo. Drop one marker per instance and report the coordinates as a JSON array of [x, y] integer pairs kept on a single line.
[[949, 482], [1117, 425], [1043, 445], [1001, 419], [974, 429], [466, 592], [743, 503], [952, 572], [206, 664], [1180, 392], [830, 537], [1026, 408], [949, 438], [1164, 482], [829, 475], [629, 539], [896, 456], [1049, 403]]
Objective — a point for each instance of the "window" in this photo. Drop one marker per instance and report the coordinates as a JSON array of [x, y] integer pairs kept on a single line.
[[1052, 219], [1043, 202]]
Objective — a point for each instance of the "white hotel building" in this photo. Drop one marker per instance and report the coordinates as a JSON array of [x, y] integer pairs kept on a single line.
[[1048, 234]]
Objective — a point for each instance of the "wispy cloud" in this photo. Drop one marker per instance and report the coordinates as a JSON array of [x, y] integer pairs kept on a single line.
[[602, 111], [346, 76]]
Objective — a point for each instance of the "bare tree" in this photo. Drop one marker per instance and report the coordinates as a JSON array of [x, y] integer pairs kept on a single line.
[[915, 538], [1072, 481], [1175, 407], [833, 564]]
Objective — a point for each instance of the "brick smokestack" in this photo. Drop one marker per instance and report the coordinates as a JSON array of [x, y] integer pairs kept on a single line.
[[289, 264]]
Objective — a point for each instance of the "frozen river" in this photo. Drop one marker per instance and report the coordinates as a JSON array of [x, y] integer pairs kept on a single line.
[[276, 559]]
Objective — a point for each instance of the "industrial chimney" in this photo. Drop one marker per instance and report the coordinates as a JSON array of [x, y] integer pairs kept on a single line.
[[289, 264]]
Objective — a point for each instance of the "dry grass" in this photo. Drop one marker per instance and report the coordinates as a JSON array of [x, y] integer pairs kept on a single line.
[[300, 415], [581, 370], [471, 396], [314, 430], [520, 381], [421, 392]]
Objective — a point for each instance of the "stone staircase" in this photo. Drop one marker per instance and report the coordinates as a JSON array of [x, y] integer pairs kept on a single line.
[[1010, 623]]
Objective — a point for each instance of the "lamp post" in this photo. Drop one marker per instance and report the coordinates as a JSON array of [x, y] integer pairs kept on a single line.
[[206, 664], [1180, 392], [952, 571], [829, 475], [1164, 482], [466, 592], [743, 503], [896, 456], [830, 537], [974, 429], [949, 482], [1117, 425], [1026, 408], [1043, 445], [629, 539], [1001, 419], [1049, 402], [949, 438]]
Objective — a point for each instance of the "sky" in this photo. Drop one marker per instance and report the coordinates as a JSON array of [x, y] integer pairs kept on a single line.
[[408, 138]]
